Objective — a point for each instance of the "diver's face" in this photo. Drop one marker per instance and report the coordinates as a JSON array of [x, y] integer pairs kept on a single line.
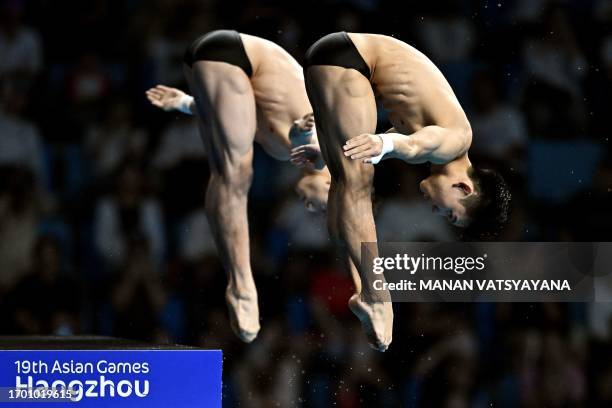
[[445, 196], [313, 191]]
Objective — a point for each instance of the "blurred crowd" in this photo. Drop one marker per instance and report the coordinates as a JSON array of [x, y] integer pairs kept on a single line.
[[102, 227]]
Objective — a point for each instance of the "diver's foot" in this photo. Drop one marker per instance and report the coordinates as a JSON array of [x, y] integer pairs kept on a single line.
[[243, 313], [376, 319]]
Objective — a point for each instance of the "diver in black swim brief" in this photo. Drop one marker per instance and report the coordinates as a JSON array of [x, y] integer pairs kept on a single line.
[[346, 74], [245, 89], [336, 49], [219, 45]]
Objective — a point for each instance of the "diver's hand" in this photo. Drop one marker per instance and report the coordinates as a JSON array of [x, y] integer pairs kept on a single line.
[[166, 98], [302, 131], [363, 147], [306, 123], [307, 156]]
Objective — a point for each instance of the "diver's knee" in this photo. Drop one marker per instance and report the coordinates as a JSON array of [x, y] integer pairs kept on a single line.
[[238, 174], [359, 177]]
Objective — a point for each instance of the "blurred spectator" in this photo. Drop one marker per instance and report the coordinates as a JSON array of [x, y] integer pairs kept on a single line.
[[600, 314], [599, 87], [603, 387], [20, 142], [196, 238], [47, 300], [115, 139], [331, 287], [281, 386], [88, 85], [126, 214], [603, 10], [20, 46], [290, 36], [21, 175], [180, 141], [175, 26], [405, 216], [545, 360], [529, 10], [300, 229], [137, 294], [595, 224], [364, 381], [166, 55], [446, 36], [555, 66], [349, 20], [88, 82], [18, 223], [443, 350], [562, 364], [181, 161], [498, 127], [406, 220]]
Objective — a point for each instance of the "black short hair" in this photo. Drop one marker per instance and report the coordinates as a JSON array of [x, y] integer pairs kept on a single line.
[[489, 209]]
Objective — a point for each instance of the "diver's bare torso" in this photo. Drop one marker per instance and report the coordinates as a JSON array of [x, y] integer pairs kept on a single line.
[[409, 86], [278, 85]]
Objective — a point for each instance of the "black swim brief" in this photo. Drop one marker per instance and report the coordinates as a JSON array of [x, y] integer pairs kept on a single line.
[[336, 49], [222, 46]]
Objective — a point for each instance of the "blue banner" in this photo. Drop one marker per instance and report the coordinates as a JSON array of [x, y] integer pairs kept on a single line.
[[188, 378]]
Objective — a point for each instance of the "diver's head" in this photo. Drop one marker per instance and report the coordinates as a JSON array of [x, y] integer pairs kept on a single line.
[[313, 189], [469, 196]]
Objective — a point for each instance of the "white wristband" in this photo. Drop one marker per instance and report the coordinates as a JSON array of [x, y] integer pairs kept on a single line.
[[299, 137], [185, 104], [387, 146]]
